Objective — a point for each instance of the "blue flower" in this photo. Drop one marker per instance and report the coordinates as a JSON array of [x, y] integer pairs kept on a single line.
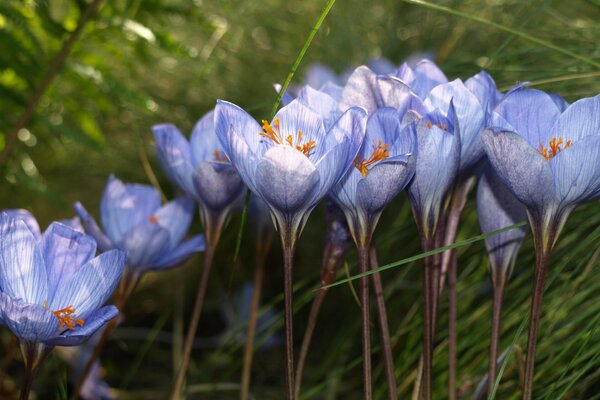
[[52, 288], [382, 169], [292, 162], [497, 208], [134, 221], [422, 76], [549, 158]]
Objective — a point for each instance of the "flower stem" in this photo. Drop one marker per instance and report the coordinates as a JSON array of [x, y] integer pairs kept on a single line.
[[541, 268], [193, 327], [251, 333], [452, 337], [363, 261], [495, 336], [308, 334], [428, 301], [26, 383], [384, 329], [288, 241], [34, 355]]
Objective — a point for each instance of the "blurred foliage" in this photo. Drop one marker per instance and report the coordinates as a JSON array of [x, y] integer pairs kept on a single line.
[[143, 62]]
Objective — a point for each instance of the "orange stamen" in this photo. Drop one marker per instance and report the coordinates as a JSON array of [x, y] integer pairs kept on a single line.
[[220, 156], [380, 152], [66, 319], [153, 219], [274, 133], [554, 147]]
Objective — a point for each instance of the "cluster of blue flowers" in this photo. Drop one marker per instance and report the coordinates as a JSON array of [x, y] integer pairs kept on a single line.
[[359, 143]]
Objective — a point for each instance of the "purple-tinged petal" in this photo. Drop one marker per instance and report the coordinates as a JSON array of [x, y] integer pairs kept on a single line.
[[398, 95], [317, 75], [203, 141], [361, 90], [65, 250], [29, 322], [332, 90], [321, 103], [144, 243], [427, 76], [124, 206], [576, 171], [286, 97], [91, 228], [28, 218], [579, 120], [287, 179], [561, 103], [483, 87], [218, 185], [174, 153], [22, 269], [381, 66], [526, 173], [91, 285], [81, 334], [176, 217], [181, 253]]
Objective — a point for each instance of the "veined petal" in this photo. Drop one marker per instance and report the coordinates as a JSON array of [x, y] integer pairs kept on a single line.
[[321, 103], [65, 250], [397, 94], [81, 334], [29, 322], [181, 253], [576, 171], [483, 87], [526, 173], [22, 269], [174, 153], [28, 218], [427, 76], [287, 179], [125, 206], [176, 217], [218, 185], [92, 228], [144, 243], [203, 141], [91, 285], [579, 120], [361, 90]]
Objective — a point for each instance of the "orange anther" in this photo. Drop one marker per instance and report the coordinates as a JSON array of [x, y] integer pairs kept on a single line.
[[220, 156], [275, 135], [554, 147], [153, 219], [65, 318], [380, 152]]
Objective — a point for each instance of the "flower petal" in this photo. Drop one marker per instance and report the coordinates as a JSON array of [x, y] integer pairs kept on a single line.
[[321, 103], [175, 156], [181, 253], [483, 87], [176, 217], [22, 269], [218, 185], [361, 90], [81, 334], [65, 250], [203, 141], [144, 244], [91, 285], [579, 120], [92, 228], [28, 218], [29, 322]]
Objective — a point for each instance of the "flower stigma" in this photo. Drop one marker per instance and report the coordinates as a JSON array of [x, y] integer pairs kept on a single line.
[[380, 152], [65, 318], [274, 133], [554, 147]]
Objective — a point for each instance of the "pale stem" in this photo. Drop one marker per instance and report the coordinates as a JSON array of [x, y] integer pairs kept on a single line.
[[495, 336], [363, 261]]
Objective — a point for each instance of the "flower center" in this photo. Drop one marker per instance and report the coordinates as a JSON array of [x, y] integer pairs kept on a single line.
[[380, 152], [554, 147], [274, 133], [65, 318], [430, 125], [220, 156]]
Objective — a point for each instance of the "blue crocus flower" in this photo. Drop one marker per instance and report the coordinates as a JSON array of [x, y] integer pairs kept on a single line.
[[52, 287], [382, 168], [134, 221], [422, 76]]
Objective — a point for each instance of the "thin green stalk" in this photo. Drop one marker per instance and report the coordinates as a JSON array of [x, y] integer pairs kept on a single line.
[[289, 244], [363, 261]]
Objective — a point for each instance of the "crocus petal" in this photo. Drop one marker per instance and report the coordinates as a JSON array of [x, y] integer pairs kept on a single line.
[[427, 76], [526, 173], [317, 75], [361, 90], [29, 322], [176, 217], [581, 119], [286, 179], [81, 334], [561, 103], [483, 87], [65, 250], [321, 103], [576, 171], [125, 206], [174, 153], [181, 253], [22, 269], [397, 94], [144, 243], [217, 184], [92, 228], [91, 285], [28, 218], [203, 141]]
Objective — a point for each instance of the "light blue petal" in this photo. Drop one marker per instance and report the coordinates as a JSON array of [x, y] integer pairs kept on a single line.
[[29, 322], [80, 335], [321, 103], [561, 103], [28, 218], [361, 90], [287, 179], [397, 94], [218, 185], [526, 173], [144, 244], [175, 156], [180, 254], [318, 74], [203, 141], [91, 228], [427, 76], [576, 171], [483, 87], [176, 217], [65, 250], [579, 120], [22, 269], [332, 90], [90, 287], [124, 206]]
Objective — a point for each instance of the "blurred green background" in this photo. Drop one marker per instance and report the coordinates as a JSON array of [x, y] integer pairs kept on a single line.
[[139, 63]]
